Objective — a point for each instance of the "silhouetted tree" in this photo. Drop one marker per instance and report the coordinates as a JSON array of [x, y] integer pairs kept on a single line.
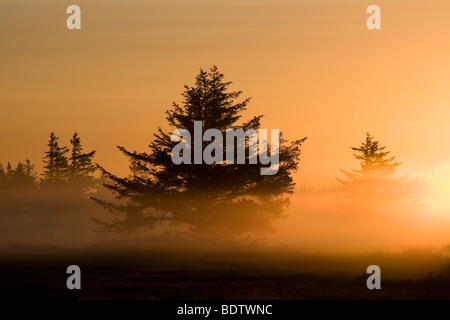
[[81, 168], [373, 187], [215, 200], [56, 163], [30, 170]]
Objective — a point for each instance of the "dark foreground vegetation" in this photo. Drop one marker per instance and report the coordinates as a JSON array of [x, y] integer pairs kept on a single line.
[[235, 274]]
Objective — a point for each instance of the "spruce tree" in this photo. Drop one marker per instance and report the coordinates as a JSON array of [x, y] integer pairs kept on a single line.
[[81, 168], [216, 200], [56, 163], [30, 170], [373, 188]]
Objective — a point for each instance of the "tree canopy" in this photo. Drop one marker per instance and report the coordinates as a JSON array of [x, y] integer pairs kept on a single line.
[[217, 200], [373, 187]]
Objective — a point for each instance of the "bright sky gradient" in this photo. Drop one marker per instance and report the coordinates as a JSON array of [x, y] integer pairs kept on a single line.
[[311, 67]]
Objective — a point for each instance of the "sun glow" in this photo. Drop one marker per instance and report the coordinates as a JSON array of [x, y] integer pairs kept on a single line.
[[436, 197]]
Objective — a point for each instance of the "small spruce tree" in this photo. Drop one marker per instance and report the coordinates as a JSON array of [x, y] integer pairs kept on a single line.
[[373, 188]]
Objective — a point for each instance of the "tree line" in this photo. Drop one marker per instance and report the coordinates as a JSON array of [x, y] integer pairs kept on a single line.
[[67, 168], [216, 200]]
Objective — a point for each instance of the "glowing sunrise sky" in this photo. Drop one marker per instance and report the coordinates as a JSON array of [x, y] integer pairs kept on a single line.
[[311, 67]]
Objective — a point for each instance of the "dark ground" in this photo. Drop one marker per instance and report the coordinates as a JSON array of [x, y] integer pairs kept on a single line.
[[241, 274]]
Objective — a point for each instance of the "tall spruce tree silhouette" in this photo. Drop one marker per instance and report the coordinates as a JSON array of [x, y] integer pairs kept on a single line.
[[218, 200], [373, 188], [56, 163], [81, 166]]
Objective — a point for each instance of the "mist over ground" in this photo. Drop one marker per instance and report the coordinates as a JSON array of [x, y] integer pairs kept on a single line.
[[320, 251], [314, 220]]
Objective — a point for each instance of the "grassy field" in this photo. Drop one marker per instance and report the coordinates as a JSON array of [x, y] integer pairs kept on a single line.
[[225, 274]]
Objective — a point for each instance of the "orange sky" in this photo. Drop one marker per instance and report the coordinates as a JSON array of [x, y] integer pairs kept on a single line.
[[312, 68]]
